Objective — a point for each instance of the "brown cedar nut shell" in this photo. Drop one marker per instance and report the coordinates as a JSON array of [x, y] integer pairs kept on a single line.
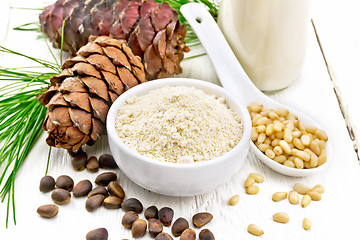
[[152, 30], [80, 96]]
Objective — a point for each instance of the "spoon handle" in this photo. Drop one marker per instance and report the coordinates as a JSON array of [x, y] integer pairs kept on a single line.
[[230, 73]]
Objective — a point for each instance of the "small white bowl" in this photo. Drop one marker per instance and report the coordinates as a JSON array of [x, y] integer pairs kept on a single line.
[[173, 178]]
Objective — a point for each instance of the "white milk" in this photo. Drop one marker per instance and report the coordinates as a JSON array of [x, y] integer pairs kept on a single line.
[[268, 37]]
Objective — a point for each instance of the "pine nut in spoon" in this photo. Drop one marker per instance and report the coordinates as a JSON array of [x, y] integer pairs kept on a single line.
[[234, 79]]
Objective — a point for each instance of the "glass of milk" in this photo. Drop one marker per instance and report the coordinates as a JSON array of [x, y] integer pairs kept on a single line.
[[268, 37]]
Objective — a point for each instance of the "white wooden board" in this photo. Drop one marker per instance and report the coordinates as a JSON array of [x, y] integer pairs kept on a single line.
[[337, 215]]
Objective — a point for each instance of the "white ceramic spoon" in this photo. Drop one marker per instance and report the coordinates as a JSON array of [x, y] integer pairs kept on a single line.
[[234, 79]]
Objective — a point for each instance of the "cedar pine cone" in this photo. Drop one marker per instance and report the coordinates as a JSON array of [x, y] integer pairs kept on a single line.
[[152, 30], [80, 96]]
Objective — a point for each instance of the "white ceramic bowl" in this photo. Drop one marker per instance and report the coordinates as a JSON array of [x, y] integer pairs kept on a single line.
[[173, 178]]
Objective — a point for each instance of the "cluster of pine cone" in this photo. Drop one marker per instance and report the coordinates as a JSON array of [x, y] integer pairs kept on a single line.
[[137, 40]]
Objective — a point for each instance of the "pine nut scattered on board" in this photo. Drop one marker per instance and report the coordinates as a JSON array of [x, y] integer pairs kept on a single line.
[[293, 197], [278, 196], [319, 188], [250, 187], [281, 217], [305, 201], [301, 188], [315, 195], [258, 177], [234, 200], [306, 224], [254, 189], [255, 230], [249, 182], [308, 193]]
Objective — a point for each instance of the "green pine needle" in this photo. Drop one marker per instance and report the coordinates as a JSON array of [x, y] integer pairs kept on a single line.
[[33, 26], [21, 118], [48, 161], [22, 8], [62, 41]]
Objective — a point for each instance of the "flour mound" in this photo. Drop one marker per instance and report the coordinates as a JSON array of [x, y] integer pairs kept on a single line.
[[178, 124]]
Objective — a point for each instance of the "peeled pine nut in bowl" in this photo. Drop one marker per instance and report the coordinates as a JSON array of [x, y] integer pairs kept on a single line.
[[287, 144]]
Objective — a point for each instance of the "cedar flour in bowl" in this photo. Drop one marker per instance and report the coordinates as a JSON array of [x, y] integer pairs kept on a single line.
[[178, 124], [178, 136]]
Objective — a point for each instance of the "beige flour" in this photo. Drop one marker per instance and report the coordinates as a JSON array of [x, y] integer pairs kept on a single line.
[[178, 124]]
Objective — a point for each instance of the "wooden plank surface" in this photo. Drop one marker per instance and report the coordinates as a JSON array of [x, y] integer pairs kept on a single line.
[[337, 215], [338, 26]]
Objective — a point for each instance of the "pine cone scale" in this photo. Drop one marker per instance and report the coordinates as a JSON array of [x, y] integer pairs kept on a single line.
[[169, 65], [56, 79], [106, 23], [77, 146], [73, 136], [146, 33], [113, 96], [57, 100], [101, 62], [98, 129], [113, 82], [117, 56], [59, 116], [152, 61], [134, 60], [129, 17], [147, 7], [100, 108], [77, 99], [162, 16], [97, 87], [127, 78], [138, 72], [134, 42], [81, 68], [160, 43], [90, 49], [80, 119], [72, 84]]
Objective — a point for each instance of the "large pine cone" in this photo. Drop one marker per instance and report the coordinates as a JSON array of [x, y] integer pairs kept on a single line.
[[80, 96], [152, 30]]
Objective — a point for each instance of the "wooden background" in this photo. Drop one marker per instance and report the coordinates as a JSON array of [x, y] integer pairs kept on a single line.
[[327, 90]]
